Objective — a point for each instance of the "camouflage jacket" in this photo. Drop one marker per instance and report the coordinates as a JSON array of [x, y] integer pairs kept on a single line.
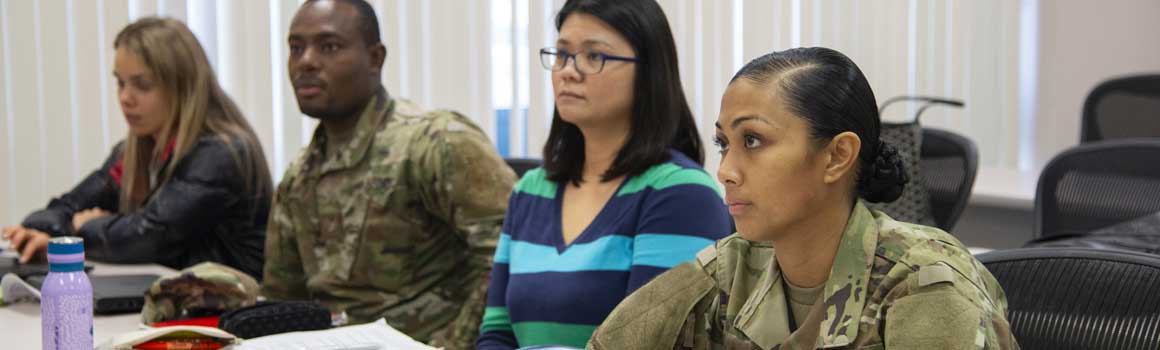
[[401, 223], [893, 285]]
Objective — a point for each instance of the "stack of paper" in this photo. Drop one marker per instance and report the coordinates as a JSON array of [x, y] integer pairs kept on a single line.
[[371, 336]]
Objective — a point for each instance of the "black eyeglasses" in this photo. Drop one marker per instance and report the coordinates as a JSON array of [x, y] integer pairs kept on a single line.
[[587, 62]]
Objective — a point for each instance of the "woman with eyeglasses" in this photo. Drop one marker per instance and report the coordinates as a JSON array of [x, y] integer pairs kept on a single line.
[[622, 195]]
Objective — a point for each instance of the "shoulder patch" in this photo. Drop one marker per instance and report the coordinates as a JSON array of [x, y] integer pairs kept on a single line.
[[937, 273], [707, 255]]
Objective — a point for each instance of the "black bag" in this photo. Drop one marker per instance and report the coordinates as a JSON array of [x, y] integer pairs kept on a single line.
[[267, 318], [1139, 242], [914, 204], [1141, 234]]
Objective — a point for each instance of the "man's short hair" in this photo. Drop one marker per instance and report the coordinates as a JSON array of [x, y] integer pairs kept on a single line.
[[368, 22]]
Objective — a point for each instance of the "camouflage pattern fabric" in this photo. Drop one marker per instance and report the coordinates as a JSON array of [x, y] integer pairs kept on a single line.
[[893, 285], [401, 223], [204, 289]]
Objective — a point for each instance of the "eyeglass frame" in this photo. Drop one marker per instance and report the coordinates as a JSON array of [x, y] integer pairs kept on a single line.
[[604, 58]]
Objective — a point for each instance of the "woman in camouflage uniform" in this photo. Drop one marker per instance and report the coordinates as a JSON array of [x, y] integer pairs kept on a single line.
[[811, 266]]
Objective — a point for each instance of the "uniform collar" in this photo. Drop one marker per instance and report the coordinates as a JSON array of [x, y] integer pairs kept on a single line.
[[764, 318], [353, 152]]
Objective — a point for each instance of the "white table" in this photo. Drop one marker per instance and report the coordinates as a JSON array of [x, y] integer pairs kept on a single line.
[[20, 323]]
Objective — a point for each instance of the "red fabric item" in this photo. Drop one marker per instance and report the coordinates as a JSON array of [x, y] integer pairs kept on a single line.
[[119, 169], [116, 170], [211, 321], [181, 344]]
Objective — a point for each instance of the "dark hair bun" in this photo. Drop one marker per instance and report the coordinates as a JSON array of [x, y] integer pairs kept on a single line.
[[883, 180]]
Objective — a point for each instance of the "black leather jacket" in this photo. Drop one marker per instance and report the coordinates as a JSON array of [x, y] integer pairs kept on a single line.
[[205, 212]]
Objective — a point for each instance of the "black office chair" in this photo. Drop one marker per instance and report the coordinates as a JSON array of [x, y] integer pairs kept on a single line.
[[1074, 298], [1127, 107], [949, 165], [1096, 185], [522, 165]]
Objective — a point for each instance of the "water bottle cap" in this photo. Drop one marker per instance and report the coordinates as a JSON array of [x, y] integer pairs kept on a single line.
[[66, 254], [66, 245]]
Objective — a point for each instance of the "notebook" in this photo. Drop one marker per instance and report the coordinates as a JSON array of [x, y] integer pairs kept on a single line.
[[371, 336]]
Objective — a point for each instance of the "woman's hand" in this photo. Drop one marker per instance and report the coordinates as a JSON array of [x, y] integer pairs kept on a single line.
[[83, 216], [30, 243]]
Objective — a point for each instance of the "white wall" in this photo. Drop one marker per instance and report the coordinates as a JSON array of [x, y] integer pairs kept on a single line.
[[1083, 43]]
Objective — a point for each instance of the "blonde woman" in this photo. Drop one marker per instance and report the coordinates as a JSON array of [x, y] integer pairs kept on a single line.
[[188, 184]]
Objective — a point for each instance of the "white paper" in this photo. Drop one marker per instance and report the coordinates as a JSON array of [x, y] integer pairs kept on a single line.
[[371, 336]]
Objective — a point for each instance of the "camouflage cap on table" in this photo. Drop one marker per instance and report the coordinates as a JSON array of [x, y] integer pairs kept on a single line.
[[204, 289]]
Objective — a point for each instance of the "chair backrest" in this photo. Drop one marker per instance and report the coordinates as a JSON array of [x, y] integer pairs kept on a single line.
[[1099, 184], [916, 205], [1075, 298], [1126, 107], [522, 165], [949, 165]]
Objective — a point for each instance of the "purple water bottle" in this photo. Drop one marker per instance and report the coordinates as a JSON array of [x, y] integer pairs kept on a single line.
[[66, 298]]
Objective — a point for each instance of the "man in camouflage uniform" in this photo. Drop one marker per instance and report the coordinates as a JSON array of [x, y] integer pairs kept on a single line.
[[893, 285], [391, 211]]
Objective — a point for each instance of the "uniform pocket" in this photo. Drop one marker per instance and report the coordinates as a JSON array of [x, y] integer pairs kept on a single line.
[[387, 245]]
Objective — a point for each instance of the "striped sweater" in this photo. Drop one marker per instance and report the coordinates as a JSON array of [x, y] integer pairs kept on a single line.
[[545, 292]]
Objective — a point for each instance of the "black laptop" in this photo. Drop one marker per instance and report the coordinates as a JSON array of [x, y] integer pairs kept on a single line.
[[120, 293], [13, 265]]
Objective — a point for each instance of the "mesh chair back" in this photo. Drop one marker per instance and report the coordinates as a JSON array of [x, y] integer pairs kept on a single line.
[[1074, 298], [1123, 108], [1097, 185], [949, 165], [522, 165]]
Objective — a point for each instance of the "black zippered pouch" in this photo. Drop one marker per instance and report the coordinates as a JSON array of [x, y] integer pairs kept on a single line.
[[266, 318]]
